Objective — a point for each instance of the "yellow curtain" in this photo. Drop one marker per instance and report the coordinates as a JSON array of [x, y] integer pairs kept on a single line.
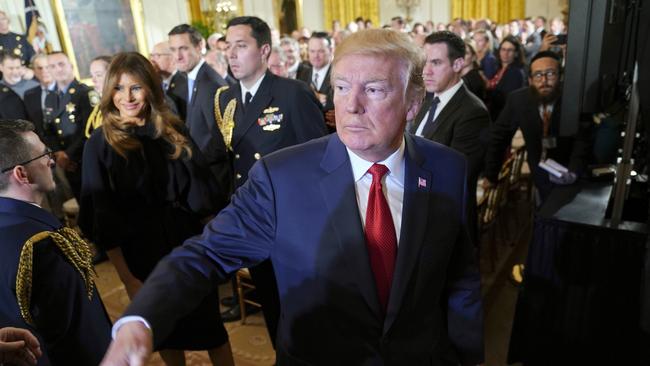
[[347, 10], [500, 11]]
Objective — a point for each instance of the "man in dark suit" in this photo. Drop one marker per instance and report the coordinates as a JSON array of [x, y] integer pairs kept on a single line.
[[35, 97], [536, 111], [320, 57], [197, 90], [46, 273], [270, 113], [66, 113], [451, 114], [371, 270], [297, 69]]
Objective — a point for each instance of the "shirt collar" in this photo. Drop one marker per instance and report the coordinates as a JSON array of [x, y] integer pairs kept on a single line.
[[294, 68], [446, 95], [394, 163], [253, 89], [192, 74], [322, 71]]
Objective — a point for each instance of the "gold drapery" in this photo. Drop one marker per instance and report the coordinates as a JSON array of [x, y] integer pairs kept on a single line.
[[500, 11], [347, 10]]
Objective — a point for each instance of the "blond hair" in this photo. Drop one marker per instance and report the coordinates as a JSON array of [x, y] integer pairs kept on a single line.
[[392, 44]]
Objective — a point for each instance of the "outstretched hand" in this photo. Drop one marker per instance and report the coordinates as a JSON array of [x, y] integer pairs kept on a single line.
[[18, 347], [132, 346]]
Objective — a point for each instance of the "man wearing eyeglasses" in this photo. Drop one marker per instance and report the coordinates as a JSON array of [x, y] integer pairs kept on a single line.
[[536, 111], [46, 273]]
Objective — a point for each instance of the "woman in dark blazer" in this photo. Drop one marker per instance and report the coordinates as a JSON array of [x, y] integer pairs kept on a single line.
[[510, 77], [146, 188]]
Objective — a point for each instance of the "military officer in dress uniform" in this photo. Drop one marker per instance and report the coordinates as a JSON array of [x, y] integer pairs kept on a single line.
[[13, 42], [46, 273], [259, 115], [66, 113]]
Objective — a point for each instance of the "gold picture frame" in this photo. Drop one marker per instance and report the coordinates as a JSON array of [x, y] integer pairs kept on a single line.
[[90, 28]]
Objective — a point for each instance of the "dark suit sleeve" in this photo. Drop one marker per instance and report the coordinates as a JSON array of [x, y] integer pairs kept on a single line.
[[467, 138], [307, 115], [241, 235], [464, 305], [500, 136]]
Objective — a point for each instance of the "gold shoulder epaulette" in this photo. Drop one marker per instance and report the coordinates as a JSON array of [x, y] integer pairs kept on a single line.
[[225, 122], [73, 247], [94, 121]]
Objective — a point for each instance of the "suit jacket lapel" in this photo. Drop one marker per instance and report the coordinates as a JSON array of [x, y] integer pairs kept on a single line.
[[454, 103], [260, 101], [339, 195], [325, 85], [417, 185], [426, 104]]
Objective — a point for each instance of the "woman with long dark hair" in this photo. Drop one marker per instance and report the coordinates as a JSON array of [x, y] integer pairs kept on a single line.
[[146, 188], [511, 74]]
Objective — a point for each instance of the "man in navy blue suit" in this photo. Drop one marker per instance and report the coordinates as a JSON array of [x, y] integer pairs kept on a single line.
[[366, 230], [46, 273]]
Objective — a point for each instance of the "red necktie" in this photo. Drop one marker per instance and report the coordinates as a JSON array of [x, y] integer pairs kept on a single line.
[[380, 235]]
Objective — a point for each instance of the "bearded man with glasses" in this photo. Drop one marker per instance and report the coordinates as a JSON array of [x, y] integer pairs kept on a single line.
[[46, 273], [536, 109]]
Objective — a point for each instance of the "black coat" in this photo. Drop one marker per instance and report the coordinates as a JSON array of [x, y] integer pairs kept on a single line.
[[72, 329], [522, 111], [325, 87], [32, 100], [11, 106], [148, 205], [460, 125], [201, 123]]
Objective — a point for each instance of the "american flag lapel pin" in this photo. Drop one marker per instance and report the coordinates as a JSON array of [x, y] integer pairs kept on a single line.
[[422, 183]]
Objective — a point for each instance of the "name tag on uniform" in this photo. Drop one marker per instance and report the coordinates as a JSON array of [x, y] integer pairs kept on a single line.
[[549, 142]]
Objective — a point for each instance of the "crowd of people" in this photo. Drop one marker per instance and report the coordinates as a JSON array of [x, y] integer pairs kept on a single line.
[[306, 158]]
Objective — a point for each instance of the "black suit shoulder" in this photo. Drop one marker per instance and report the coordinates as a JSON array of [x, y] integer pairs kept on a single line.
[[11, 106]]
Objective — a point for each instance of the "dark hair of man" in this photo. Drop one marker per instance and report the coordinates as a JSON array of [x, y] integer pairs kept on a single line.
[[358, 19], [195, 36], [455, 44], [259, 29], [6, 55], [543, 54], [13, 146], [322, 35], [398, 19], [520, 56]]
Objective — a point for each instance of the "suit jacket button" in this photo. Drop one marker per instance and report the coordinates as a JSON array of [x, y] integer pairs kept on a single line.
[[59, 132], [238, 176], [57, 120], [236, 156], [257, 156]]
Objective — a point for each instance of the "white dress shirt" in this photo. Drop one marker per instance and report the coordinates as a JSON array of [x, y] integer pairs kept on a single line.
[[444, 97], [253, 88], [393, 184], [321, 75]]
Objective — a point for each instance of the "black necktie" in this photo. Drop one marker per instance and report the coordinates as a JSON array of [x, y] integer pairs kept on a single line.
[[430, 123], [247, 100]]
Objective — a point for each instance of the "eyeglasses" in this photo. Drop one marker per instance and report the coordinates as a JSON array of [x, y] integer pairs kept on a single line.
[[549, 74], [49, 153]]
